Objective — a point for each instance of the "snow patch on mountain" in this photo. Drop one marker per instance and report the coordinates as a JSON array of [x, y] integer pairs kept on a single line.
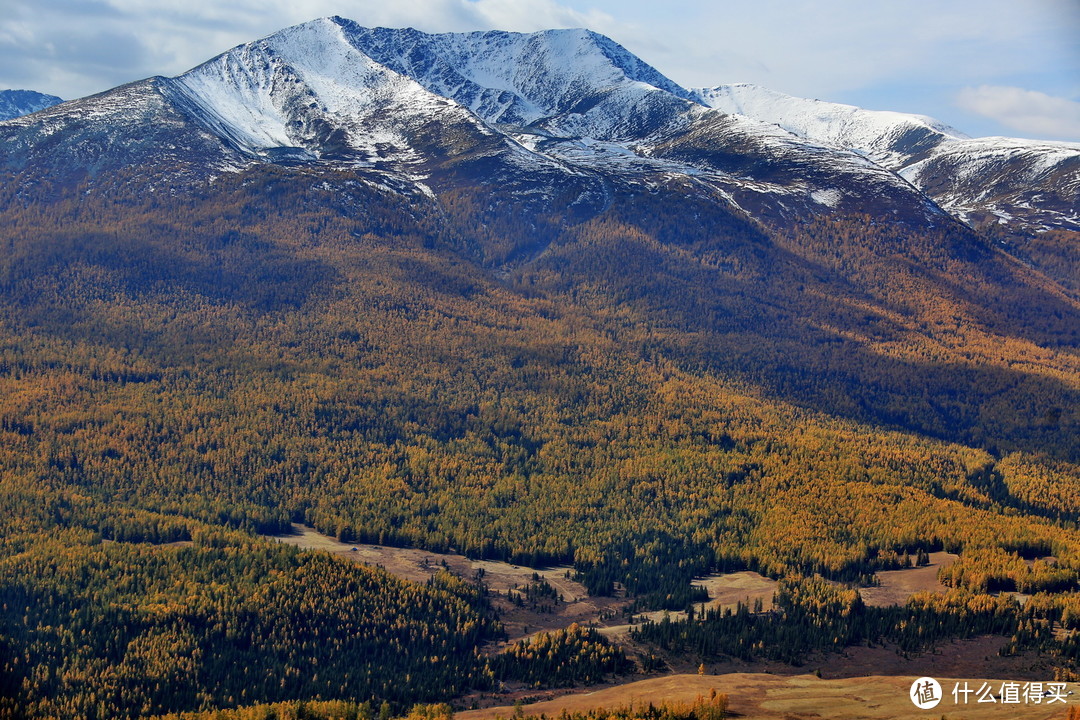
[[889, 138], [830, 197]]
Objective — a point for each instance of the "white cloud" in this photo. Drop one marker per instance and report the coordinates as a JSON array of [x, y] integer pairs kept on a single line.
[[1030, 112], [534, 15]]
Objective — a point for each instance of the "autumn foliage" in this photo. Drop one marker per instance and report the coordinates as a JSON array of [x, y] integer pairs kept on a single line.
[[645, 397]]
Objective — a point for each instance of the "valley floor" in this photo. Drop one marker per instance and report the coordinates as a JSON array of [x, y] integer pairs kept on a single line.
[[763, 696]]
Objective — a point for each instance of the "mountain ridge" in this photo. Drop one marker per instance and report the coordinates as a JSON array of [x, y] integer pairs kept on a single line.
[[488, 108], [572, 106], [1031, 183]]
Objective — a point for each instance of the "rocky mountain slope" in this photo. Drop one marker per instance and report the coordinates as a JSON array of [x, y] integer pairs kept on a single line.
[[1031, 184]]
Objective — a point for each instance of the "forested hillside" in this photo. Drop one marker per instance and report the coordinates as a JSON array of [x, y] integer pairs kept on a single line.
[[650, 393]]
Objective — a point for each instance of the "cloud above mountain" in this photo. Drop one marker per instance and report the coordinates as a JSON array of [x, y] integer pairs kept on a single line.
[[1026, 111]]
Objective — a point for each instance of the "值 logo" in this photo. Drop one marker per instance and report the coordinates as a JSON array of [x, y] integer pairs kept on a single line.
[[925, 693]]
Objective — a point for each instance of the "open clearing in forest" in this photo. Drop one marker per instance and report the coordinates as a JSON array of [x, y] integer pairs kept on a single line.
[[419, 565], [728, 590], [762, 696], [899, 585], [725, 590]]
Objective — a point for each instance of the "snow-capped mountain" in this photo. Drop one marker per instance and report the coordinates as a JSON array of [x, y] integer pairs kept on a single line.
[[561, 113], [309, 90], [579, 98], [1005, 180], [563, 100], [560, 116], [16, 103]]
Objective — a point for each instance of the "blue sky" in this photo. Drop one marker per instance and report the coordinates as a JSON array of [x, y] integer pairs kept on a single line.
[[987, 67]]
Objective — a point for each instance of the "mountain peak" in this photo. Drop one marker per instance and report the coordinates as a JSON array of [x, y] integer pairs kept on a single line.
[[518, 78], [299, 86]]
